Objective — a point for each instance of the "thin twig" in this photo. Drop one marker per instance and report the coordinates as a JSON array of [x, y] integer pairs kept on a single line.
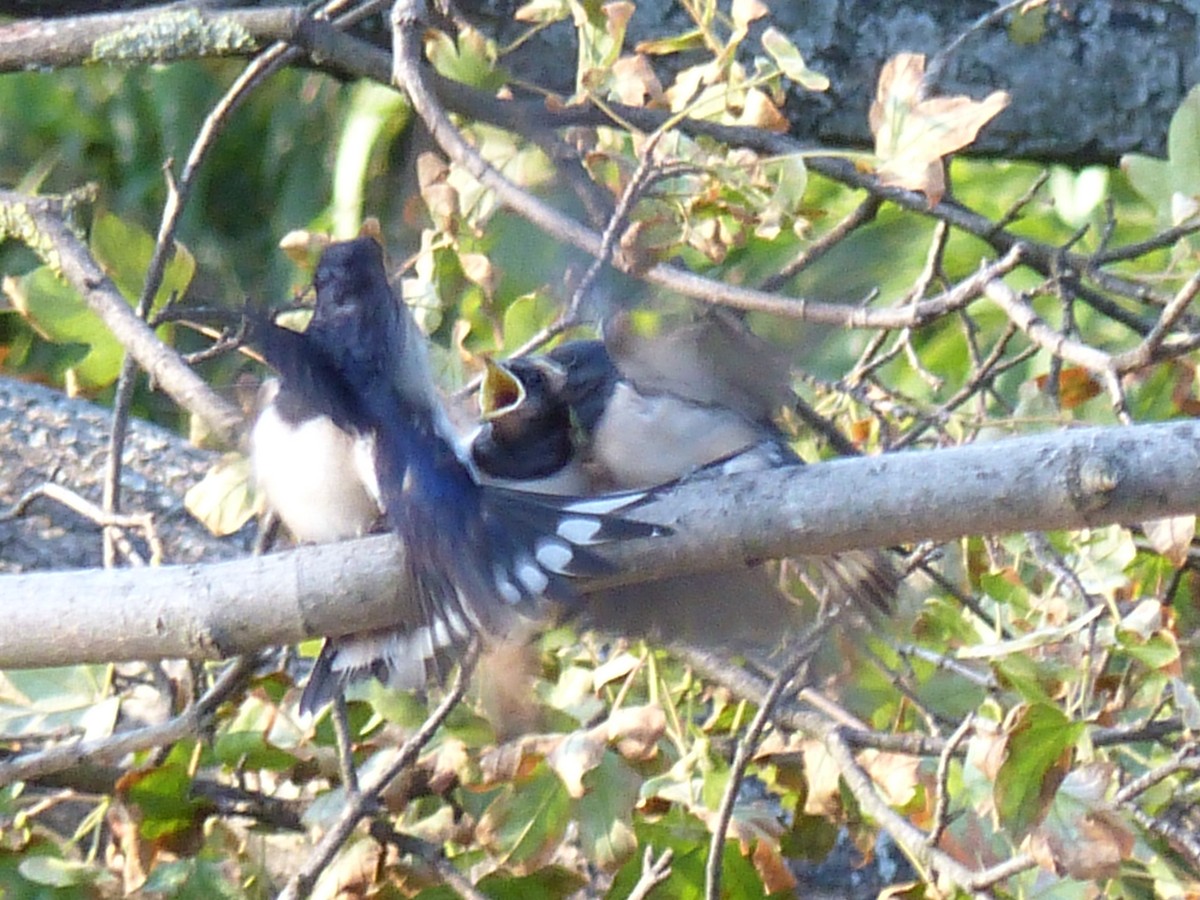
[[144, 522], [340, 717], [745, 748], [189, 722], [431, 856], [654, 873], [357, 807], [942, 803], [862, 214], [933, 71]]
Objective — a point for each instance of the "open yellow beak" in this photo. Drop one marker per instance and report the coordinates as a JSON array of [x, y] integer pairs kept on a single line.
[[500, 392]]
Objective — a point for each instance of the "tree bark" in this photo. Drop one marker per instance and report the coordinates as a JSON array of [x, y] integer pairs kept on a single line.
[[1058, 480]]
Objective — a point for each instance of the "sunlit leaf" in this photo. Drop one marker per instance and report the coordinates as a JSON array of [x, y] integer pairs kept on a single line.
[[61, 873], [68, 699], [1038, 753], [1173, 184], [913, 133], [59, 314], [1078, 196], [223, 500], [124, 251], [791, 62], [543, 12]]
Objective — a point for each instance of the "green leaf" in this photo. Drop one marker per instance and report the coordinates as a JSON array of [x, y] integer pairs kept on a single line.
[[59, 315], [547, 883], [679, 43], [471, 60], [1172, 185], [543, 12], [42, 701], [250, 749], [528, 818], [605, 812], [61, 873], [15, 884], [374, 116], [124, 250], [163, 794], [1038, 755], [1079, 196], [1155, 652], [193, 879], [525, 317]]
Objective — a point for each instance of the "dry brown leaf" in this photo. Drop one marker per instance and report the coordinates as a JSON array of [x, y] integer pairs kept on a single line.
[[822, 775], [617, 16], [761, 112], [636, 83], [442, 202], [894, 774], [1097, 849], [776, 877], [1171, 537], [515, 759], [1075, 386], [352, 874], [577, 754], [636, 730], [913, 134], [478, 270]]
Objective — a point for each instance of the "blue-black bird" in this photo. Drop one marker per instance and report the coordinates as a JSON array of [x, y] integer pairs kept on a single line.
[[695, 401], [481, 557]]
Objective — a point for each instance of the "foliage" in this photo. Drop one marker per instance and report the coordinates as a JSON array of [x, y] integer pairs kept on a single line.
[[1070, 671]]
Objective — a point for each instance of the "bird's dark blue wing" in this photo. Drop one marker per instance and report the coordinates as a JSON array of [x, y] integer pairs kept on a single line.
[[480, 557]]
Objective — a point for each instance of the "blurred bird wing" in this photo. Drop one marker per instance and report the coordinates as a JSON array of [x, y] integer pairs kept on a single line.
[[713, 362]]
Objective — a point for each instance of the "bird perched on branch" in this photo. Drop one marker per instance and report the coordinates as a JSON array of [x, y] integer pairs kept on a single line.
[[630, 412], [480, 557]]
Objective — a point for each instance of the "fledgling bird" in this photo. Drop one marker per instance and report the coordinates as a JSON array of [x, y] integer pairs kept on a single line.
[[481, 557], [697, 399]]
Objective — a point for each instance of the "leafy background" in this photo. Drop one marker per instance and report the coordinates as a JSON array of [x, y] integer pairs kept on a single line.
[[622, 746]]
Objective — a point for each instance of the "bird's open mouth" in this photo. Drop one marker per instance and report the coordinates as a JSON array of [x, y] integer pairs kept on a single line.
[[500, 391]]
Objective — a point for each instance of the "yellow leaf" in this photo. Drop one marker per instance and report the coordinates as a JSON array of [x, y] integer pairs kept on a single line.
[[222, 500]]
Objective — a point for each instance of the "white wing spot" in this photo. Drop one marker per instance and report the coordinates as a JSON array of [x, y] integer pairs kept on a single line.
[[578, 530], [456, 623], [531, 575], [554, 555], [605, 503], [508, 591]]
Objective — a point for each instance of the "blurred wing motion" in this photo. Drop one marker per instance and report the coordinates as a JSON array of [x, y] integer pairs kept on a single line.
[[648, 410], [480, 558]]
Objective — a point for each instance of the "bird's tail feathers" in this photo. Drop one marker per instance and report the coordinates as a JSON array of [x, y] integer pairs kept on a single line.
[[867, 578], [403, 660]]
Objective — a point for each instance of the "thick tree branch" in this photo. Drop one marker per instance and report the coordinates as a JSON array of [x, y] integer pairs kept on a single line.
[[1062, 480]]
